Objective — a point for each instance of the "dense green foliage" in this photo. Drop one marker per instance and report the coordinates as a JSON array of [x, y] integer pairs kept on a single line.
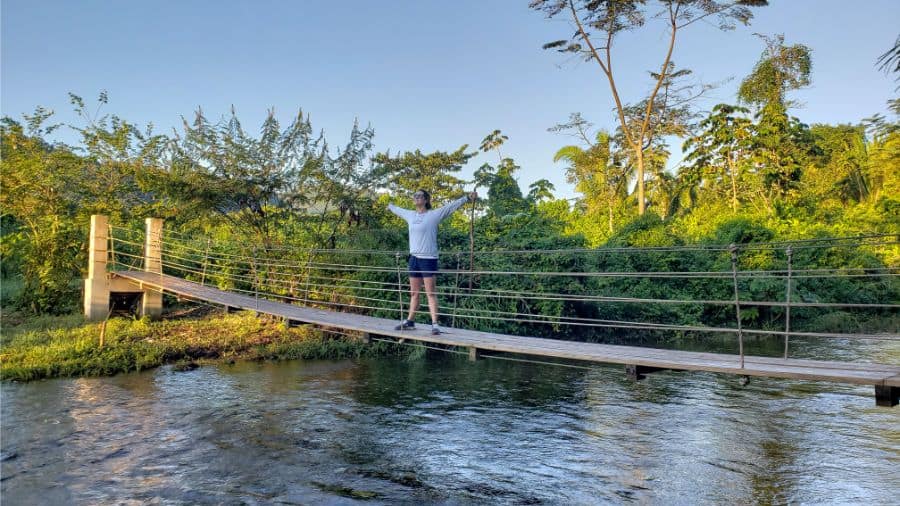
[[280, 197]]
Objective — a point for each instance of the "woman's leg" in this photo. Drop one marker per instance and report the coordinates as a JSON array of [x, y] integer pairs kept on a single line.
[[415, 286], [432, 297]]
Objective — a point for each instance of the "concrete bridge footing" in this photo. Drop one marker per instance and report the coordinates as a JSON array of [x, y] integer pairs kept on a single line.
[[100, 286]]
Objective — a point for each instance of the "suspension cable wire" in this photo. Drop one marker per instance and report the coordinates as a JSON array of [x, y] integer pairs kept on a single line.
[[348, 251], [248, 280], [350, 266], [622, 325], [796, 244], [451, 349], [551, 296], [799, 273], [749, 273], [348, 283], [516, 317], [420, 344], [856, 241], [538, 362], [343, 291], [526, 295], [873, 271], [687, 328]]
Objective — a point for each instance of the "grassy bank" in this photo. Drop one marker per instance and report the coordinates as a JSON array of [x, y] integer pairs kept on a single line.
[[47, 347]]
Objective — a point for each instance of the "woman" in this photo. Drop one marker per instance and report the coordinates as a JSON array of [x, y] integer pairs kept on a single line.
[[423, 251]]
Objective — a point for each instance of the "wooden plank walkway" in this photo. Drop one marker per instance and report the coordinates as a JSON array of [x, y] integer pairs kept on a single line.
[[885, 378]]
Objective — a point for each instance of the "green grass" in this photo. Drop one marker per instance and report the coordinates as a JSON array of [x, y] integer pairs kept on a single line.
[[47, 347]]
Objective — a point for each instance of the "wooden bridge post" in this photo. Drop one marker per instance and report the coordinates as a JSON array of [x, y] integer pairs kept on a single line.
[[151, 304], [96, 286], [886, 395]]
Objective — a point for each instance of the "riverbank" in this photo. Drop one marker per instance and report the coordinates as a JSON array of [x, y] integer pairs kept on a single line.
[[59, 346]]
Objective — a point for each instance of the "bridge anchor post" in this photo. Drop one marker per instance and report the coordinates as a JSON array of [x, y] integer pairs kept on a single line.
[[102, 289], [96, 285], [152, 302], [638, 372], [886, 395]]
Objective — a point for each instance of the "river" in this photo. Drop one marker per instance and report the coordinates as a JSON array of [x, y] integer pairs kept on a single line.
[[442, 430]]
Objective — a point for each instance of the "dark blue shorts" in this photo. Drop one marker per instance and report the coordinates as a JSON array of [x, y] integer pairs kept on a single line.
[[422, 267]]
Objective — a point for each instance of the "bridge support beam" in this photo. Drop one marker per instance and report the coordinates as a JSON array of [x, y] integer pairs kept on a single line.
[[152, 302], [639, 372], [887, 396], [474, 354], [96, 286]]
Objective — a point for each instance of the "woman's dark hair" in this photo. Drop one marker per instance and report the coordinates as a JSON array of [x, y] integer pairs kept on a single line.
[[427, 197]]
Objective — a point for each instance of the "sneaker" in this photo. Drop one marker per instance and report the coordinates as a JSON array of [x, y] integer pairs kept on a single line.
[[405, 325], [435, 330]]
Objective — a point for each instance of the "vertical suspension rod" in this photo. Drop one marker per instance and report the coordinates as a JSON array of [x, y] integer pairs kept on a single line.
[[787, 299], [737, 302], [205, 261], [455, 293], [399, 282]]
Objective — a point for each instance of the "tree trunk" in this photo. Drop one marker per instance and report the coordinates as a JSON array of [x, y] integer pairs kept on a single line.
[[640, 180], [609, 201], [610, 219], [733, 185]]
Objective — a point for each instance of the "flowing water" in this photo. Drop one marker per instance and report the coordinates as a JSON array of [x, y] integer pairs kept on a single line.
[[441, 430]]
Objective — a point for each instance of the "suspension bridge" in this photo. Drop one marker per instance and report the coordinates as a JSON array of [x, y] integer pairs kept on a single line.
[[363, 292]]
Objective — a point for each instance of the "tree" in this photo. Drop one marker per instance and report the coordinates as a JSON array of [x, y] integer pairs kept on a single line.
[[405, 173], [884, 152], [248, 182], [344, 190], [781, 144], [118, 161], [718, 154], [780, 149], [493, 141], [599, 23], [841, 164], [596, 173], [504, 194], [780, 69], [540, 190], [41, 184]]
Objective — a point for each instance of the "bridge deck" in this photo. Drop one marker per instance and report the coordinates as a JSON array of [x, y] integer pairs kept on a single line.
[[883, 376]]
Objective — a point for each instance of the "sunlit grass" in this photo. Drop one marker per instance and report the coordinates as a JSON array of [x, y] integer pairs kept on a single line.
[[47, 347]]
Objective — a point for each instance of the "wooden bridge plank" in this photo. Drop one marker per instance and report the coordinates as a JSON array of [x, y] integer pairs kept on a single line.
[[844, 372]]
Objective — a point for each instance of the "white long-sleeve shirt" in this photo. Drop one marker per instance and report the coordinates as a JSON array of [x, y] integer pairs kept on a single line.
[[423, 226]]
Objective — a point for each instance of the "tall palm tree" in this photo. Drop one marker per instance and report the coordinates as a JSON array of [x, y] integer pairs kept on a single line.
[[596, 173]]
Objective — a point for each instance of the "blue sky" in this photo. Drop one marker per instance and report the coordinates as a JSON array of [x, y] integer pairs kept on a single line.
[[425, 74]]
